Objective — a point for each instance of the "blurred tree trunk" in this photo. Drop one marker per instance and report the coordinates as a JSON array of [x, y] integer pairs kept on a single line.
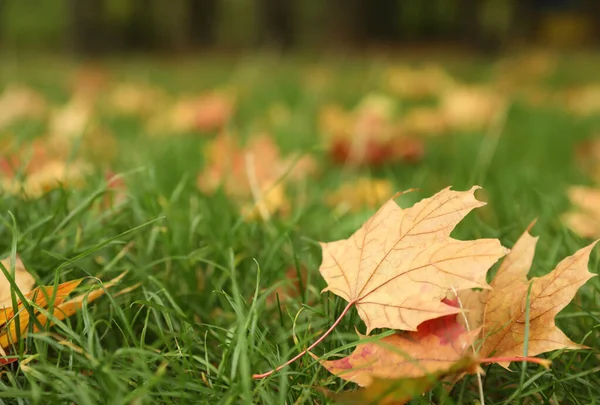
[[203, 17], [381, 19], [526, 20], [594, 8], [346, 26], [140, 33], [276, 17], [171, 21], [471, 31], [86, 26]]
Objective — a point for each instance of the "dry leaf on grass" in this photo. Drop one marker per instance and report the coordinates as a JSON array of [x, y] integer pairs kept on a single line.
[[361, 193], [401, 263], [402, 389], [424, 121], [135, 100], [18, 102], [70, 121], [291, 289], [50, 175], [470, 108], [369, 135], [584, 100], [524, 70], [418, 83], [23, 279], [205, 113], [89, 81], [587, 157], [501, 311], [584, 219], [213, 111], [435, 346], [63, 307], [252, 172]]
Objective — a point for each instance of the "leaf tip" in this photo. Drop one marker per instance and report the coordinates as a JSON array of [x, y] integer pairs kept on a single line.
[[531, 225]]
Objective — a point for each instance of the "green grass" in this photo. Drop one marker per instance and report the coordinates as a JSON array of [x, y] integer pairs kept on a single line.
[[199, 326]]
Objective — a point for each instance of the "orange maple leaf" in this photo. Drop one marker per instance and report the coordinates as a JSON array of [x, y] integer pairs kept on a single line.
[[435, 346], [501, 312], [398, 391], [40, 298], [369, 135]]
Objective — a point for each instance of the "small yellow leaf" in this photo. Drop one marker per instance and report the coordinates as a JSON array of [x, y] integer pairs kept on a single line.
[[584, 219], [23, 279]]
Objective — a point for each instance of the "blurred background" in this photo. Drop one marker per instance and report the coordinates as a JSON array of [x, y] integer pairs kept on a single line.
[[109, 26]]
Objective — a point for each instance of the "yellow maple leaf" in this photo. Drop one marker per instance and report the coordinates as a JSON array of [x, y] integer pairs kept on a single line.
[[400, 264], [584, 219], [19, 102], [584, 100], [134, 99], [23, 279], [364, 192], [418, 83], [501, 312], [469, 108], [426, 121]]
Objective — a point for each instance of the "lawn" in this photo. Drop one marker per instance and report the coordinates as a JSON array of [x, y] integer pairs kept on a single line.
[[206, 314]]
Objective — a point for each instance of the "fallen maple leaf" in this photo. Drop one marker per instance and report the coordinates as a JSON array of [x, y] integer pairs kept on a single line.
[[584, 219], [584, 100], [213, 111], [418, 83], [137, 100], [290, 290], [71, 120], [587, 156], [400, 264], [364, 192], [23, 279], [523, 70], [50, 176], [251, 172], [370, 135], [89, 80], [435, 346], [470, 108], [424, 121], [501, 311], [40, 296], [18, 102], [401, 390]]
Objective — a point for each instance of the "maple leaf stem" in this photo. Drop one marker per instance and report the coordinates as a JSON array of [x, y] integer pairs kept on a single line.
[[544, 362], [302, 353]]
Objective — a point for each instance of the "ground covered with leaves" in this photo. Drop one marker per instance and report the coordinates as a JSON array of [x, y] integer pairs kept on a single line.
[[203, 205]]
